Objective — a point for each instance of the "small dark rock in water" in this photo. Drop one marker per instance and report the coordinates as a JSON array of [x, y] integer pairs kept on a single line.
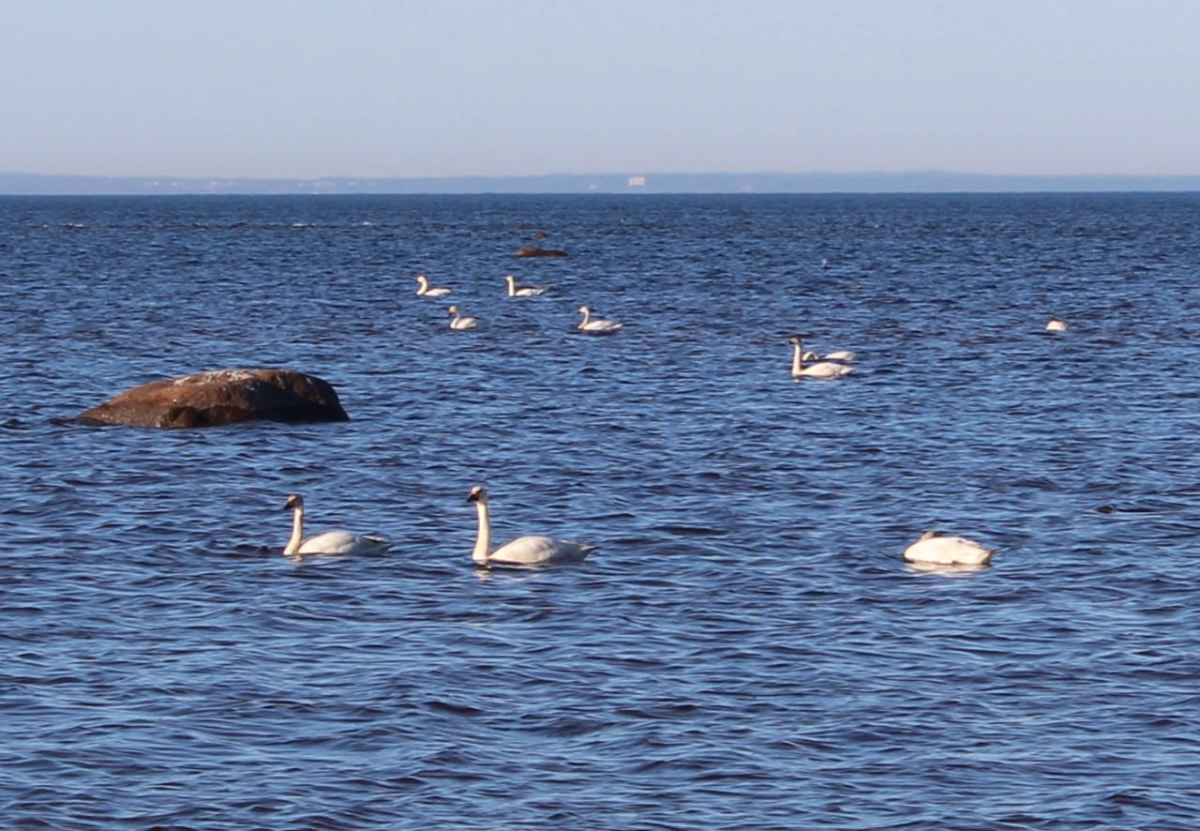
[[228, 396], [536, 251]]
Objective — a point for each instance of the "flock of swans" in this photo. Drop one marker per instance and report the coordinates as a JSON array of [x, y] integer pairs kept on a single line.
[[932, 550], [532, 550], [589, 324], [526, 551]]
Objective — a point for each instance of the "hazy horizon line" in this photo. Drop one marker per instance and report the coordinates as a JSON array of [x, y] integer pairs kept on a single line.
[[915, 181]]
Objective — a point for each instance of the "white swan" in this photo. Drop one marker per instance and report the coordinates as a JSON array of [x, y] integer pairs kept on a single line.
[[838, 355], [597, 326], [329, 542], [823, 369], [523, 551], [425, 290], [1056, 325], [523, 291], [457, 321], [935, 549]]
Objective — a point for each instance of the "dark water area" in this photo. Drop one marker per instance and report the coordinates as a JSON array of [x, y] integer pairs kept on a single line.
[[747, 648]]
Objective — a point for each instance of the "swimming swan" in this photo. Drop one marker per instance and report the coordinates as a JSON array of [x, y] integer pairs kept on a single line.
[[424, 289], [934, 548], [1056, 325], [839, 355], [823, 369], [597, 327], [329, 542], [523, 551], [457, 321], [523, 291]]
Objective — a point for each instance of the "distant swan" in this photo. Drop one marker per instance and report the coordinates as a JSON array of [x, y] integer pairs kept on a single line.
[[523, 551], [823, 369], [425, 290], [1056, 325], [599, 327], [457, 321], [934, 548], [329, 542], [523, 291]]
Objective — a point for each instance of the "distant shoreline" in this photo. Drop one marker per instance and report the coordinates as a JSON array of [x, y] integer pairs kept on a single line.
[[26, 184]]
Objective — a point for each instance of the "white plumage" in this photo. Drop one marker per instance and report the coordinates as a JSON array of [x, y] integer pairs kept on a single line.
[[425, 290], [821, 369], [530, 550], [329, 542], [515, 290], [934, 548], [457, 321], [837, 355], [596, 326]]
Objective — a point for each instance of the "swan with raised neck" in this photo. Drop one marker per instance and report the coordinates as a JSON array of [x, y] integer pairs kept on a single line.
[[328, 542], [821, 369], [531, 550], [515, 290], [458, 321], [426, 290], [597, 325]]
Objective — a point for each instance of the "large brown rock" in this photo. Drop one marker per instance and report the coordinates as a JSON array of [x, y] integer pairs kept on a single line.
[[223, 397], [538, 251]]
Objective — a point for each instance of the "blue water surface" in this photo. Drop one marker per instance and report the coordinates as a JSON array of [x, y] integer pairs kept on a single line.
[[747, 648]]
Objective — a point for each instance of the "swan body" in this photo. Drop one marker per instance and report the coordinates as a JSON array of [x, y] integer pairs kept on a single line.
[[597, 326], [329, 542], [426, 290], [457, 321], [1056, 325], [821, 369], [523, 291], [839, 355], [935, 549], [533, 550]]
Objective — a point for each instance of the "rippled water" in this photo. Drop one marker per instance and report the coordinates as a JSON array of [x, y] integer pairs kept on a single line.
[[746, 650]]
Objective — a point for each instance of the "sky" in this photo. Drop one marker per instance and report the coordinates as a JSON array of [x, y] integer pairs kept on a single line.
[[432, 88]]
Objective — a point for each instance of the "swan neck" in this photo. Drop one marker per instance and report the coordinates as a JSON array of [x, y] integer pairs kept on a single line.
[[483, 539], [797, 359], [293, 544], [587, 315]]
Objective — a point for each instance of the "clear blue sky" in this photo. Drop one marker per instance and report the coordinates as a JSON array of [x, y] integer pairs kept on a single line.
[[311, 88]]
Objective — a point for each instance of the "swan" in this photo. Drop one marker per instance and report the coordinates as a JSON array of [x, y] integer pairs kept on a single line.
[[823, 369], [523, 291], [523, 551], [329, 542], [457, 321], [598, 327], [1056, 325], [935, 548], [838, 355], [425, 290]]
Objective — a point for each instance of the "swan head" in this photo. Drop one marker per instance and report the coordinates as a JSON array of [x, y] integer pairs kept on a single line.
[[585, 310], [421, 278], [477, 494], [293, 502], [508, 278], [453, 310], [796, 340]]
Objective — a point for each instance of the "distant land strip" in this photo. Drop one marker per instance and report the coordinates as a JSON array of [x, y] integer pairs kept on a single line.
[[932, 181]]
